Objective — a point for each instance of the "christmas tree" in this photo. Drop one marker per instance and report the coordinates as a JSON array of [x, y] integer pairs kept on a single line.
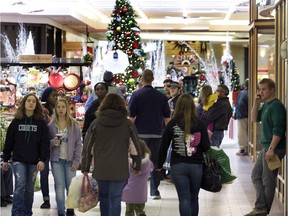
[[124, 34], [235, 78]]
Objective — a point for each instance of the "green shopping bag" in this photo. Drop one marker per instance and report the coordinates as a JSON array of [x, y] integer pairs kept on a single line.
[[225, 170], [37, 186]]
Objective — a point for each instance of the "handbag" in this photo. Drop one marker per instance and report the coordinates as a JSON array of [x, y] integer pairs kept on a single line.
[[88, 198], [211, 180]]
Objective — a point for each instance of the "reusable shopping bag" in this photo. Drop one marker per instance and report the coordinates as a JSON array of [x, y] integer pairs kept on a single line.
[[88, 199], [74, 193], [224, 162]]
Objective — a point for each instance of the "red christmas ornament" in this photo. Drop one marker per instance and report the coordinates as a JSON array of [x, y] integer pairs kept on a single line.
[[116, 79], [84, 97], [127, 33], [202, 77], [87, 82], [135, 45], [124, 9], [129, 52], [136, 34], [134, 74]]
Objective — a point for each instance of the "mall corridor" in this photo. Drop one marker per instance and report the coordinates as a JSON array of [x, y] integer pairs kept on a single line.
[[233, 200]]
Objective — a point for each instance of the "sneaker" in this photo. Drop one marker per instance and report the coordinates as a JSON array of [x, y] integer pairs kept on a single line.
[[70, 212], [157, 197], [3, 203], [8, 199], [45, 205], [242, 152], [257, 212]]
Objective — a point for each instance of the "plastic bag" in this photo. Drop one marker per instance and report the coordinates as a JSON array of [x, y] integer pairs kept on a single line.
[[74, 193]]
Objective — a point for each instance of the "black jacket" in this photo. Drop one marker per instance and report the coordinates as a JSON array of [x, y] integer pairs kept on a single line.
[[27, 140], [220, 114]]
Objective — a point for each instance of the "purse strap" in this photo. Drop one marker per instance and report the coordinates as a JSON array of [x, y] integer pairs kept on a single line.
[[83, 185]]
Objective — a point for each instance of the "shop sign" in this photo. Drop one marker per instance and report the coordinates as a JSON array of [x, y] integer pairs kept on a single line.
[[41, 58]]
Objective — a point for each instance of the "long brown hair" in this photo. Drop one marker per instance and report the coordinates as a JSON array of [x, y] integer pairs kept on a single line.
[[68, 117], [38, 112], [206, 91], [114, 102], [186, 110], [144, 148]]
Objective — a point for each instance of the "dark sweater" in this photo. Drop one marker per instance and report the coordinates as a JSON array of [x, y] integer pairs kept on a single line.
[[28, 139], [183, 152], [220, 113]]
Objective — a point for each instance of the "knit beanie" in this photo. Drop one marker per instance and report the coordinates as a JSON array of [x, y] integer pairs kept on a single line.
[[46, 93], [108, 76]]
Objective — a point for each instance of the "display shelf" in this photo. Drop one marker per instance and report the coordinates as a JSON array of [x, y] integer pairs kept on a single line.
[[3, 64]]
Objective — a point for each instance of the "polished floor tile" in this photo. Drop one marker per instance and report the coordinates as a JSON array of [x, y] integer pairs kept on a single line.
[[234, 199]]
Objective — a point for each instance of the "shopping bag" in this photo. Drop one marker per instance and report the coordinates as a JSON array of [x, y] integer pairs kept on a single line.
[[88, 199], [74, 193], [211, 180], [37, 186], [224, 162]]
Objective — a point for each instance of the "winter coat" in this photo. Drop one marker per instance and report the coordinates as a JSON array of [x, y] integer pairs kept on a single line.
[[108, 136], [135, 191]]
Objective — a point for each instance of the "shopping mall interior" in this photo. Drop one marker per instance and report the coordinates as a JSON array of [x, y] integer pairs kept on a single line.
[[69, 44]]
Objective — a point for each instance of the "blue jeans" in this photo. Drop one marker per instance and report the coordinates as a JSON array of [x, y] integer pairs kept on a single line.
[[264, 180], [110, 194], [153, 145], [217, 138], [187, 179], [25, 176], [44, 181], [6, 182], [63, 175]]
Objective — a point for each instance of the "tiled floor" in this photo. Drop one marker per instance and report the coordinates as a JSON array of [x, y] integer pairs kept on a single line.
[[234, 199]]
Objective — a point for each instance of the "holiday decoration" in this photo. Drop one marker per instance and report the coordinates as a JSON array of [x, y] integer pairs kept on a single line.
[[126, 37]]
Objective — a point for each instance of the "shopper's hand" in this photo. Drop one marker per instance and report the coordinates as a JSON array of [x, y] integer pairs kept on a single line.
[[258, 99], [74, 167], [40, 166], [5, 166], [56, 141], [269, 154]]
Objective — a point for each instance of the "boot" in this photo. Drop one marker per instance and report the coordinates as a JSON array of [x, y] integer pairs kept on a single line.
[[70, 212], [45, 205]]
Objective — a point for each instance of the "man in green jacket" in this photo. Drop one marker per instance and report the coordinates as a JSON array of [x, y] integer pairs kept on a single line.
[[272, 115]]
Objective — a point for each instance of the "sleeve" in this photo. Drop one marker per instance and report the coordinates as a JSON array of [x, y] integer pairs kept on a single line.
[[78, 144], [134, 136], [167, 110], [9, 141], [259, 114], [164, 144], [45, 142], [88, 119], [205, 141], [89, 101], [87, 148], [133, 106], [52, 133], [278, 115]]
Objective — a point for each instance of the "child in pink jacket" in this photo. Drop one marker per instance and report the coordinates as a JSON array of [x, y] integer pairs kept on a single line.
[[135, 191]]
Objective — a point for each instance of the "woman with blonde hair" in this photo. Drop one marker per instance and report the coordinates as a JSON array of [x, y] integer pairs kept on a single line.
[[66, 147], [189, 139], [108, 137]]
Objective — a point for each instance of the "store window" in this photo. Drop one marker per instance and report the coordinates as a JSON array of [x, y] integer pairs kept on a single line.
[[266, 56]]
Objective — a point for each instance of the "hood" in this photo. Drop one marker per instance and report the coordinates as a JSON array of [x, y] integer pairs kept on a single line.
[[111, 118]]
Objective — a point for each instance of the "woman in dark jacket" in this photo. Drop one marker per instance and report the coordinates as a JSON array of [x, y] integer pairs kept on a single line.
[[189, 139], [108, 137]]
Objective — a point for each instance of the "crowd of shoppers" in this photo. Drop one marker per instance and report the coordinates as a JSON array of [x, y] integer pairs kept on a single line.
[[126, 144]]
